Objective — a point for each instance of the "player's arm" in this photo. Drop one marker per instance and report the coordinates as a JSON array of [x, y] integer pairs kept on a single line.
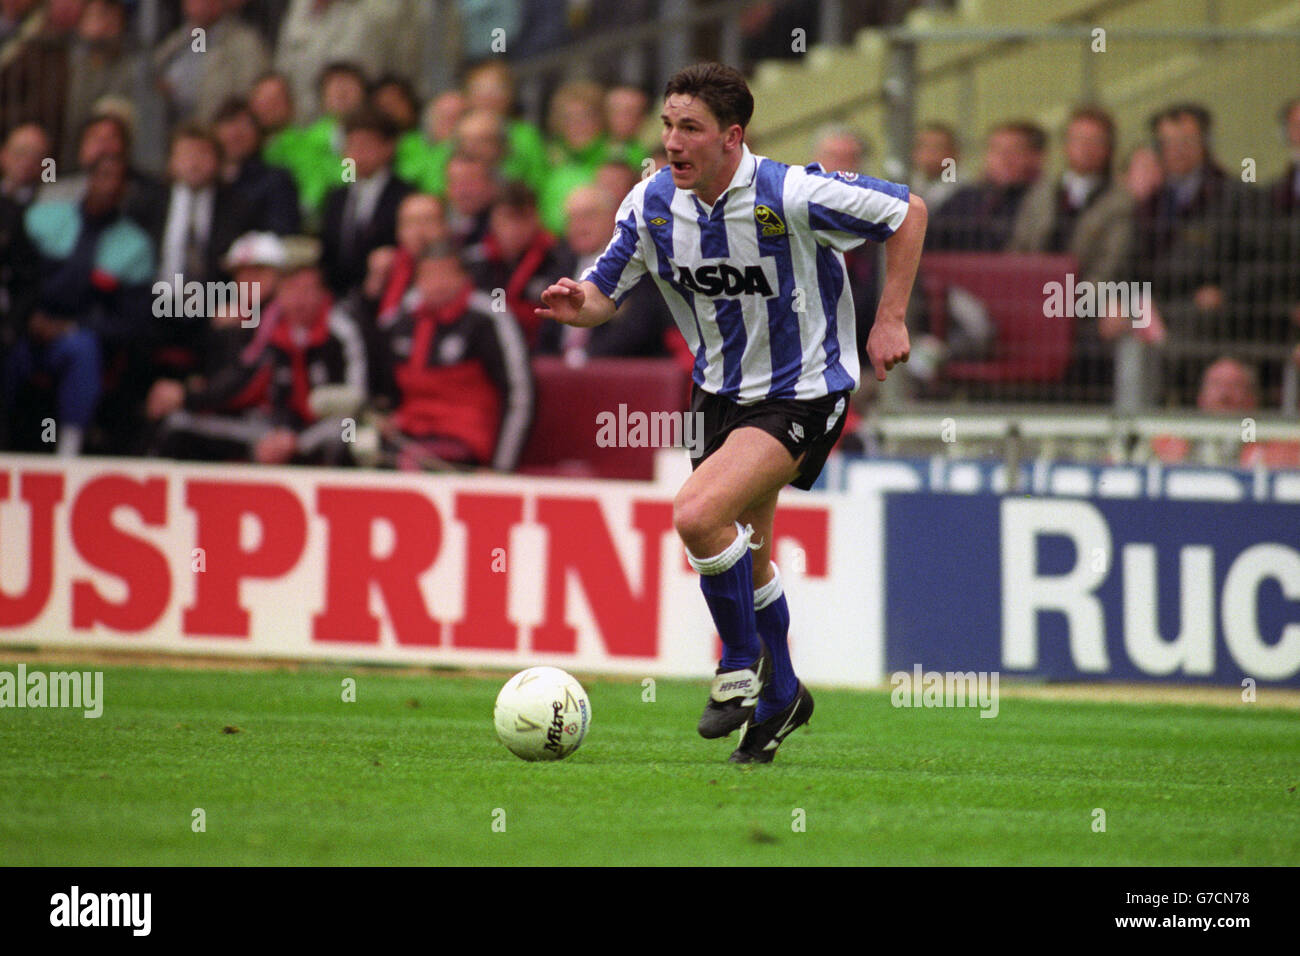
[[888, 344], [592, 300], [576, 303]]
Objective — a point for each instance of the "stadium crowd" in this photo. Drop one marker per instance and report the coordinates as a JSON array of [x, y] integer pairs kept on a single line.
[[325, 246]]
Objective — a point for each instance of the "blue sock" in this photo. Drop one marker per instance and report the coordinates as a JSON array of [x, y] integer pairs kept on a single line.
[[772, 618], [727, 580]]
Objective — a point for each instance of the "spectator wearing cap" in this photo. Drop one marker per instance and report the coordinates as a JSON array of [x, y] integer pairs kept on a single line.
[[94, 266], [518, 258], [268, 190], [195, 81], [362, 215], [457, 373], [218, 413]]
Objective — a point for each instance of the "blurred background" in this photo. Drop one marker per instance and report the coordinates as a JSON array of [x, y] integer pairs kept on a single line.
[[1112, 270]]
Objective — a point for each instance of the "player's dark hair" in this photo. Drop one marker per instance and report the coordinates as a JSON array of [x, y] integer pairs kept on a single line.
[[722, 88]]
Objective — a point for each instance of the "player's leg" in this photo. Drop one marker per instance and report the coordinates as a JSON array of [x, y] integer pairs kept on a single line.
[[750, 467], [771, 612]]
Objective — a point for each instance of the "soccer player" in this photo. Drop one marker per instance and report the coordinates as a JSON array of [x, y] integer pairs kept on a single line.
[[748, 254]]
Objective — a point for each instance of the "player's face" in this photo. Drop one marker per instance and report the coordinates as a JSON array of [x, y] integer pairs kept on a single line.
[[698, 148]]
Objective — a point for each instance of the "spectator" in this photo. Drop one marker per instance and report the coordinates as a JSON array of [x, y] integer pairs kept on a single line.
[[1087, 214], [517, 257], [471, 189], [627, 108], [1187, 244], [34, 67], [642, 321], [312, 343], [617, 179], [1278, 265], [376, 35], [979, 218], [18, 284], [421, 221], [203, 216], [101, 63], [579, 146], [213, 55], [1142, 173], [268, 190], [362, 215], [390, 273], [93, 266], [934, 164], [839, 149], [1229, 387], [491, 86], [458, 373], [22, 162], [310, 154], [422, 155], [218, 414]]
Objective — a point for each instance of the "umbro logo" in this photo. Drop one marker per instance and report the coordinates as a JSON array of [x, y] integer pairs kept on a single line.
[[658, 221], [796, 431]]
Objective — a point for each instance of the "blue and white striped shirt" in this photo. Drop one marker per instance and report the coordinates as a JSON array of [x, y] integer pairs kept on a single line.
[[757, 283]]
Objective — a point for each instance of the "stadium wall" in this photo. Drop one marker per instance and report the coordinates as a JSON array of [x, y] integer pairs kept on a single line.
[[1121, 582]]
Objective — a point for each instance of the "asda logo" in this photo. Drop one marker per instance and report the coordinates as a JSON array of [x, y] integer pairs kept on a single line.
[[724, 279]]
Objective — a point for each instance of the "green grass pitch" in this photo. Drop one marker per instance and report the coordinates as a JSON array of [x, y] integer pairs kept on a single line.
[[412, 773]]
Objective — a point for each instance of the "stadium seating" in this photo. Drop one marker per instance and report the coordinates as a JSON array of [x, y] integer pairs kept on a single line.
[[1027, 346], [569, 399]]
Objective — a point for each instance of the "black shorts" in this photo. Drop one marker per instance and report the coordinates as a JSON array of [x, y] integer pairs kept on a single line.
[[808, 428]]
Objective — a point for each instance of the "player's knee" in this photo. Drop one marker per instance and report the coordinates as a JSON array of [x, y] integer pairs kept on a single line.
[[693, 519]]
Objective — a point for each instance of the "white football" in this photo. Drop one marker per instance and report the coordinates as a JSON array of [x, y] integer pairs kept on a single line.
[[542, 714]]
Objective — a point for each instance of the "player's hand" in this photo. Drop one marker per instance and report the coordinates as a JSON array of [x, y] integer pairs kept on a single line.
[[563, 301], [887, 345]]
